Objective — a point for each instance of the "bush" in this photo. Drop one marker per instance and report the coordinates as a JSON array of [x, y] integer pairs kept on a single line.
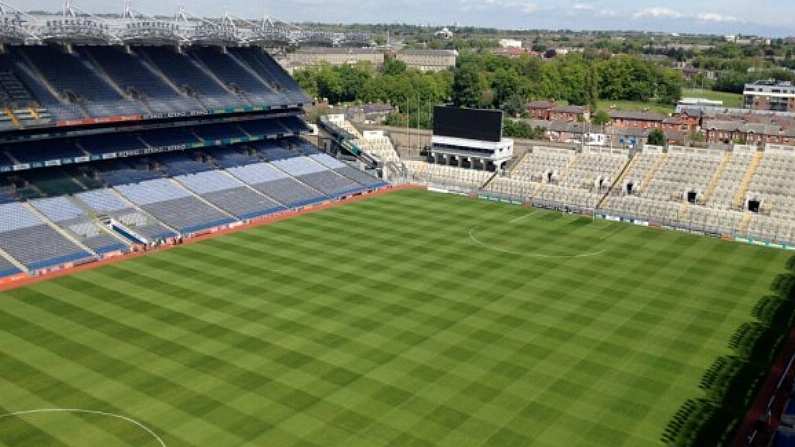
[[784, 285], [775, 312], [791, 264]]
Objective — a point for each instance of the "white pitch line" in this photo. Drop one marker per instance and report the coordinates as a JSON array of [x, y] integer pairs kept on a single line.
[[474, 239], [81, 411]]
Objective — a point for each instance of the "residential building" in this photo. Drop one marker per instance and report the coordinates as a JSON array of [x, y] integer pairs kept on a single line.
[[429, 60], [570, 113], [770, 95], [539, 110], [510, 43], [623, 119]]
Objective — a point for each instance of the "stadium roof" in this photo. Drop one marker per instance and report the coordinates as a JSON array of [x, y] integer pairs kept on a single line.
[[74, 26]]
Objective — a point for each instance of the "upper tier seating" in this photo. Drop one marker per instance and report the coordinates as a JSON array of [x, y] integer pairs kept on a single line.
[[236, 76], [60, 109], [269, 70], [130, 74], [77, 82], [33, 243], [188, 76]]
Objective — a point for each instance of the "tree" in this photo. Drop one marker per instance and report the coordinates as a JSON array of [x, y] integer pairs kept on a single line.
[[467, 86], [515, 105], [656, 138], [394, 67], [600, 118]]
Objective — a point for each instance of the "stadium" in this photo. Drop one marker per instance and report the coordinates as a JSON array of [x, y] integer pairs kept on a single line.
[[181, 266]]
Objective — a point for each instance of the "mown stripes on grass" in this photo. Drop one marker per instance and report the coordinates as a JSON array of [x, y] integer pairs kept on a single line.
[[383, 324]]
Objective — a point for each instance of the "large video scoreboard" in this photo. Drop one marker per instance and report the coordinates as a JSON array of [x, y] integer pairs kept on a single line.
[[471, 124]]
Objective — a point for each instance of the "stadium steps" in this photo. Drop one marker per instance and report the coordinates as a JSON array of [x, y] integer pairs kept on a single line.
[[713, 183], [249, 187], [58, 229], [661, 160], [96, 67], [137, 208], [619, 179], [144, 60], [518, 163], [488, 181], [745, 223], [33, 72], [203, 68], [321, 193], [739, 198], [10, 114], [13, 261], [201, 199], [252, 72]]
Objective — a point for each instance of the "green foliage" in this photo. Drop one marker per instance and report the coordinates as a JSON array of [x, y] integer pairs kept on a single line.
[[515, 105], [791, 264], [701, 423], [775, 312], [656, 137], [784, 285], [394, 67], [600, 118], [467, 86], [520, 129]]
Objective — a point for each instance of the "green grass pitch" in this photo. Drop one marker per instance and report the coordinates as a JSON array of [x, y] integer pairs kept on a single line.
[[381, 323]]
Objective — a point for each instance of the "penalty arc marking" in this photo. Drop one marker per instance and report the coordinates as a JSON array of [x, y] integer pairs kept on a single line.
[[81, 411]]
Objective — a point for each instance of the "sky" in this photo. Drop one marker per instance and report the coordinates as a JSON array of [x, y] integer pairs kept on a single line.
[[762, 17]]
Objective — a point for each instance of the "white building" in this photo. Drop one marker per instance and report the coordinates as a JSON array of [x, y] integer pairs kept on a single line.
[[510, 43]]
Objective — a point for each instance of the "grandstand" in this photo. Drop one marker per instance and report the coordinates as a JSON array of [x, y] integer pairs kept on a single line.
[[105, 149]]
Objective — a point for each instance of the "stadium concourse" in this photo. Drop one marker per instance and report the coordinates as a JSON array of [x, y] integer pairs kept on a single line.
[[106, 150]]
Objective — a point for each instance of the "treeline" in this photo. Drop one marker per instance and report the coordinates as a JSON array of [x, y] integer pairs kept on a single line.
[[733, 382], [491, 81], [488, 80]]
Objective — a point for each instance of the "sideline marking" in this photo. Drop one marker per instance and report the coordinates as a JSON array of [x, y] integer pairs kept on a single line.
[[477, 241], [81, 411]]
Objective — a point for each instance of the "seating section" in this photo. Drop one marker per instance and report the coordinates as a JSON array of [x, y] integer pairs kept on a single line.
[[75, 83], [78, 224], [318, 176], [131, 74], [446, 175], [277, 185], [236, 76], [229, 194], [189, 77], [174, 206], [33, 243], [42, 85], [107, 203]]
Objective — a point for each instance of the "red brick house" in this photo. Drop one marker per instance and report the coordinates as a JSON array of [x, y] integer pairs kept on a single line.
[[539, 110], [640, 120], [570, 114]]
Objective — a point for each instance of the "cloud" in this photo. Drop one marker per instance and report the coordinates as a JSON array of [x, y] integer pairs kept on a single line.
[[717, 18], [525, 6], [583, 7], [658, 12]]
